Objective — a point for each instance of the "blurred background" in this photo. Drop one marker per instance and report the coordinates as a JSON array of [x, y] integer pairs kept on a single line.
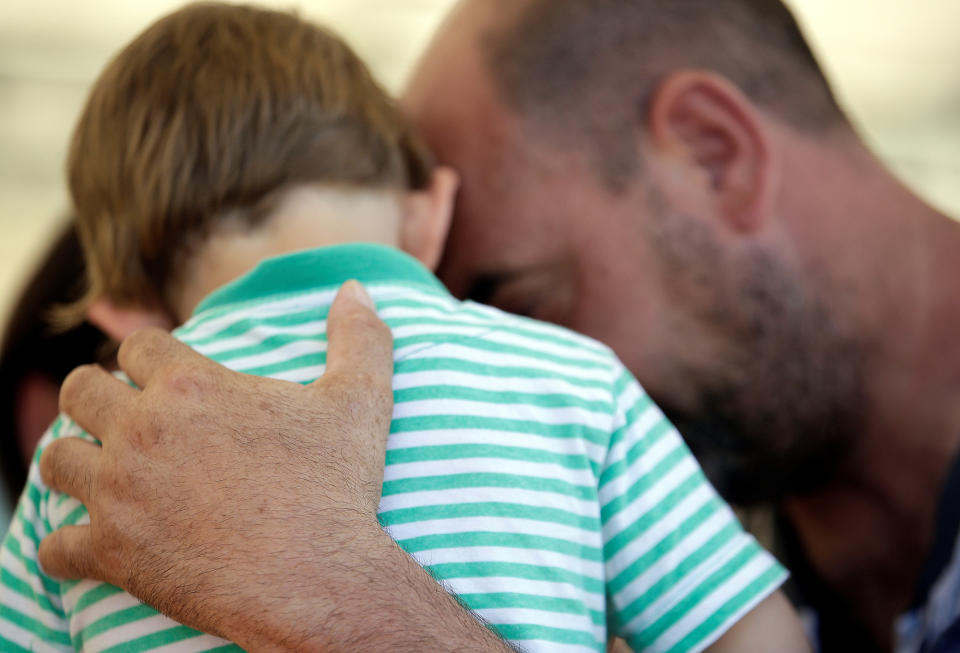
[[894, 64]]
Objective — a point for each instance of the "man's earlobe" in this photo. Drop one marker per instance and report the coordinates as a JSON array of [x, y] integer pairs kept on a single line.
[[426, 217], [118, 322], [703, 118]]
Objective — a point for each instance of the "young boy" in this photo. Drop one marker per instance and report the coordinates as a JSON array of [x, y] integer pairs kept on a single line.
[[525, 469]]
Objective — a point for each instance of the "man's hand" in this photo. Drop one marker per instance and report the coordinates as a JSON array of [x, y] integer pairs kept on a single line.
[[245, 506], [204, 473]]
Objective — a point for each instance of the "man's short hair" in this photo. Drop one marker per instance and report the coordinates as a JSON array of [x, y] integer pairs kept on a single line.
[[213, 111], [589, 67]]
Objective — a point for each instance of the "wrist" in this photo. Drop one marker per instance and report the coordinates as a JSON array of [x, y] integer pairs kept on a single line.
[[332, 586], [323, 588]]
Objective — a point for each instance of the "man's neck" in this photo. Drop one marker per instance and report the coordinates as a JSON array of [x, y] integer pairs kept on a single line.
[[884, 503]]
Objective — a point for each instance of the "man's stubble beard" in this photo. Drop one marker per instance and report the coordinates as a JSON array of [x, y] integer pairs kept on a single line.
[[775, 409]]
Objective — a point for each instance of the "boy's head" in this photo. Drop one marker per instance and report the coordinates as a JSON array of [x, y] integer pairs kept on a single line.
[[211, 120]]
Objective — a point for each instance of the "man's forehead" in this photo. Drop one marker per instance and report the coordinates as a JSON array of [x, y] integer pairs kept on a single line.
[[453, 48], [473, 17], [452, 99]]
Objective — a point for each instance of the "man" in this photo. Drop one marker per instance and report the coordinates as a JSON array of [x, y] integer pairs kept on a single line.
[[679, 182]]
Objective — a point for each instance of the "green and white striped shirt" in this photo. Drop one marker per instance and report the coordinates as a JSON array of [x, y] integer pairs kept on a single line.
[[526, 469]]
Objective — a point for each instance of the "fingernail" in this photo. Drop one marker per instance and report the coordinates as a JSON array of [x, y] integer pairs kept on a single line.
[[360, 294]]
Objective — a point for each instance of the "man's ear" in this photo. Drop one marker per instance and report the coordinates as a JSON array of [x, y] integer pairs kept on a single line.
[[118, 322], [704, 119], [426, 217]]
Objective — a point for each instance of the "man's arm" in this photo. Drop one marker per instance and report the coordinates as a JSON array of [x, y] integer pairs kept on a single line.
[[277, 546]]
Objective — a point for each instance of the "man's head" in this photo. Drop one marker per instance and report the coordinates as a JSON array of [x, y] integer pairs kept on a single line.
[[649, 173], [212, 120]]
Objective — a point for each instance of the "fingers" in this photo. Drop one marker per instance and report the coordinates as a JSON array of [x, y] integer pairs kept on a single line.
[[68, 465], [92, 397], [145, 351], [67, 553], [360, 346]]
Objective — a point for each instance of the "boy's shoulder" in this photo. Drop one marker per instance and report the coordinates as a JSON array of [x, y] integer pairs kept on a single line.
[[407, 307], [400, 305], [551, 333]]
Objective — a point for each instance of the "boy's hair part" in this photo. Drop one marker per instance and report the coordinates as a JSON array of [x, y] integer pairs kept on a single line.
[[211, 113]]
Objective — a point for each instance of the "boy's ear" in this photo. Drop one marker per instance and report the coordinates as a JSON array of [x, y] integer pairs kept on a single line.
[[426, 217], [118, 322]]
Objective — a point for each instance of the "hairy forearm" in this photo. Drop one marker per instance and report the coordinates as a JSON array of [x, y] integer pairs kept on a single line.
[[360, 593]]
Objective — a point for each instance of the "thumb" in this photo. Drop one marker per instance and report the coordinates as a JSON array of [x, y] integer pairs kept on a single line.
[[359, 347]]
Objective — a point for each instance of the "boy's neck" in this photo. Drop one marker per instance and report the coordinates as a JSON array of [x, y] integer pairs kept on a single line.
[[306, 217]]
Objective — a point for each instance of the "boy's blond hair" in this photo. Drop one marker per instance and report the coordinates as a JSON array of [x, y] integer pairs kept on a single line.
[[212, 111]]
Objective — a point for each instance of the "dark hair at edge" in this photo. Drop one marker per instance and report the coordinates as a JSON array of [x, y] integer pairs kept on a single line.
[[32, 344]]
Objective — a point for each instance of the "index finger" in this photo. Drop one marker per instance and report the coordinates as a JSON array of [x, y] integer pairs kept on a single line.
[[146, 351]]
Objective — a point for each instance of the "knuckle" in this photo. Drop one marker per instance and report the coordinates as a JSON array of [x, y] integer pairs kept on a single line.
[[81, 561], [150, 346], [141, 435], [75, 385], [128, 420], [134, 429], [139, 340], [187, 380], [129, 484]]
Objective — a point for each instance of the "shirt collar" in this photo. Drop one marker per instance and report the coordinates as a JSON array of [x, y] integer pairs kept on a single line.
[[324, 267]]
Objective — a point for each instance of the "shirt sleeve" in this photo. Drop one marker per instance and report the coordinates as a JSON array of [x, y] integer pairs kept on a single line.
[[31, 608], [680, 569]]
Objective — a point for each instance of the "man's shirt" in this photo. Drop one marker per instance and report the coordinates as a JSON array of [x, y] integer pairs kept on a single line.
[[932, 625], [526, 470]]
